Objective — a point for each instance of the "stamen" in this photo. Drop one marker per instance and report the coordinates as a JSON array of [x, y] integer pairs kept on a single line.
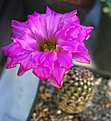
[[48, 47]]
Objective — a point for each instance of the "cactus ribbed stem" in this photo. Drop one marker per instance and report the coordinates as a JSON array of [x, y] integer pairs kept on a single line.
[[77, 90]]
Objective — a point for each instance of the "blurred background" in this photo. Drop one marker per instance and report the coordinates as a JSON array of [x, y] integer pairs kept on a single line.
[[96, 13]]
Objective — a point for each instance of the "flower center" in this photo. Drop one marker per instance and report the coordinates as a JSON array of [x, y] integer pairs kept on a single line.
[[48, 47]]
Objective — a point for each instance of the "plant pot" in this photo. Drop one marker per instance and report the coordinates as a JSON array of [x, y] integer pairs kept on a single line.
[[45, 106]]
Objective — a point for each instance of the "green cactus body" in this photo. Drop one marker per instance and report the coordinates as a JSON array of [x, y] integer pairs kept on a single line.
[[77, 91]]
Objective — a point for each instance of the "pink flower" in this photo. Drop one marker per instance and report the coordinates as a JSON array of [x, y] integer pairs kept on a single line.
[[47, 43]]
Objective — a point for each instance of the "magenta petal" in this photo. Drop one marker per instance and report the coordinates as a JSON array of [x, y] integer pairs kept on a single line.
[[69, 14], [13, 50], [49, 60], [84, 33], [49, 11], [10, 64], [41, 72], [52, 23], [39, 57], [37, 24], [56, 78], [71, 17], [82, 48], [54, 82], [28, 62], [35, 14], [69, 33], [19, 28], [81, 55], [74, 32], [27, 43], [6, 48], [65, 59], [21, 71], [67, 46]]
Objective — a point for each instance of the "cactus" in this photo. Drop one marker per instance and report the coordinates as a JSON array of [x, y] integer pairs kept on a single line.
[[77, 91]]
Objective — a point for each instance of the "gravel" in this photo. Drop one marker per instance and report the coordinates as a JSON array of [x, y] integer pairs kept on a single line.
[[99, 109]]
